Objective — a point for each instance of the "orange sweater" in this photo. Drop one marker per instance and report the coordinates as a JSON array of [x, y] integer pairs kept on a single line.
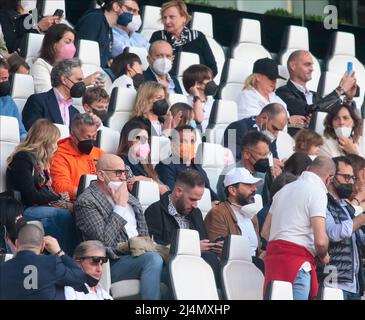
[[69, 164]]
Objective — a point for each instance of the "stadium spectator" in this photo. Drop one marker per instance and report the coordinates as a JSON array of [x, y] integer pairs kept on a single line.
[[342, 132], [7, 104], [96, 101], [175, 17], [105, 211], [198, 82], [33, 276], [258, 90], [309, 142], [296, 230], [358, 165], [300, 101], [182, 159], [127, 68], [236, 214], [125, 31], [346, 240], [184, 112], [76, 155], [13, 21], [297, 163], [134, 149], [178, 210], [90, 257], [17, 64], [160, 59], [58, 44], [29, 173]]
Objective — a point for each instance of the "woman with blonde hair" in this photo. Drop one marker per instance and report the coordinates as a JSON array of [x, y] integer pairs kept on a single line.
[[29, 173]]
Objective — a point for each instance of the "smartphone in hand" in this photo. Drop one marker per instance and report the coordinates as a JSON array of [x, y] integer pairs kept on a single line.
[[58, 13], [349, 67]]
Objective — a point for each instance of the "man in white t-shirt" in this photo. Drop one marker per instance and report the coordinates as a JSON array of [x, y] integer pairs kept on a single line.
[[296, 230], [90, 257]]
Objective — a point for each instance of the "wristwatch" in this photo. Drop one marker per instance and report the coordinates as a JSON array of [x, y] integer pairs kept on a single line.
[[340, 91], [196, 98]]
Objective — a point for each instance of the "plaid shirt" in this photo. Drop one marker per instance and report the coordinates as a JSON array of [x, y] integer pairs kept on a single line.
[[182, 220], [97, 221]]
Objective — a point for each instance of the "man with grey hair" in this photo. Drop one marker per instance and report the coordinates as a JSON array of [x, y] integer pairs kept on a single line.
[[160, 58], [56, 104], [33, 276], [90, 256], [76, 155]]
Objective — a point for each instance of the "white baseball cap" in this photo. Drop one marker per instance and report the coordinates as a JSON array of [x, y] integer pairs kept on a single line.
[[240, 175]]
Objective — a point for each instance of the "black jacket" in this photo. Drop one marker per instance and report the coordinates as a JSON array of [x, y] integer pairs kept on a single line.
[[162, 225], [44, 105], [149, 76]]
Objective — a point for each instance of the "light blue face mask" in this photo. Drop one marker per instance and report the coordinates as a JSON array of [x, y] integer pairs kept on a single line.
[[192, 123]]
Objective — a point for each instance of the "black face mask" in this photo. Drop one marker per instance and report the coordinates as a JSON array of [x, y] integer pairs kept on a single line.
[[160, 107], [138, 79], [91, 281], [343, 190], [85, 146], [78, 89], [211, 88], [262, 165], [101, 114], [4, 88]]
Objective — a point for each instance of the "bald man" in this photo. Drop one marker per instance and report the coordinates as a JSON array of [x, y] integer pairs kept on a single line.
[[105, 211], [302, 102], [160, 59], [33, 276]]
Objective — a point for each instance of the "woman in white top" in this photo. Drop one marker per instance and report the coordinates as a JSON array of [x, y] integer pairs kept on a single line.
[[58, 44], [90, 257], [127, 67], [258, 90], [342, 133]]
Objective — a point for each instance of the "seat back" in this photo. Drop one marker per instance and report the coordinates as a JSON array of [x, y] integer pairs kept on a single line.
[[142, 54], [285, 145], [147, 192], [241, 279], [22, 86], [151, 21], [105, 280], [64, 130], [184, 61], [175, 98], [191, 277], [31, 47], [223, 113], [205, 203], [108, 140], [317, 120], [279, 290], [84, 182], [327, 293], [120, 107], [9, 139], [160, 149]]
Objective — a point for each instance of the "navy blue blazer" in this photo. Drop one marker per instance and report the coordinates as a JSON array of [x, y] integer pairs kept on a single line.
[[149, 76], [53, 273], [44, 105], [241, 127]]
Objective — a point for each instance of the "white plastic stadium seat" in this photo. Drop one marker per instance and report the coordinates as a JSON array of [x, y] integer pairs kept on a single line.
[[9, 139], [160, 149], [203, 22], [249, 47], [317, 122], [151, 21], [205, 203], [285, 145], [108, 140], [175, 98], [241, 279], [84, 182], [223, 113], [296, 38], [326, 293], [343, 51], [191, 277], [121, 105], [33, 43], [279, 290], [184, 61], [22, 86], [49, 8], [64, 130], [146, 192], [142, 53], [234, 75], [329, 82]]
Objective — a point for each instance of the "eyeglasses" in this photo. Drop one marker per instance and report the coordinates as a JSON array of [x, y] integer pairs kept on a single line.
[[131, 10], [347, 177], [95, 259], [117, 172]]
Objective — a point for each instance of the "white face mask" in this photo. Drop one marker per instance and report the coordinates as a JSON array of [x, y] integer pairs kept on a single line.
[[249, 210], [162, 66], [28, 5], [135, 24], [269, 135], [115, 185], [343, 132]]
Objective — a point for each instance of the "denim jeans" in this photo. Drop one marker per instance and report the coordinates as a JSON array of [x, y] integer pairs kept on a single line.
[[302, 285], [58, 223], [146, 267], [350, 296]]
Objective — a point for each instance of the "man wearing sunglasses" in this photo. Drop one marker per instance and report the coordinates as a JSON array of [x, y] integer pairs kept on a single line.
[[90, 257], [105, 211], [346, 238]]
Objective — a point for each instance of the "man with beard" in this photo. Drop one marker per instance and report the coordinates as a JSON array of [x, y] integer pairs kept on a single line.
[[234, 216], [178, 210]]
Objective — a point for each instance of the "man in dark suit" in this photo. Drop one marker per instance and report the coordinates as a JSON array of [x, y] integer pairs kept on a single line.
[[302, 102], [56, 104], [160, 58], [178, 210], [32, 276]]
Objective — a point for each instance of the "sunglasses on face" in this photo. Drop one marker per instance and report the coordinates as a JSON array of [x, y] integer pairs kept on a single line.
[[347, 177], [95, 259]]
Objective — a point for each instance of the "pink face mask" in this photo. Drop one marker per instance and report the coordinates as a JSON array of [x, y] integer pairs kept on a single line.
[[142, 150], [68, 51]]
